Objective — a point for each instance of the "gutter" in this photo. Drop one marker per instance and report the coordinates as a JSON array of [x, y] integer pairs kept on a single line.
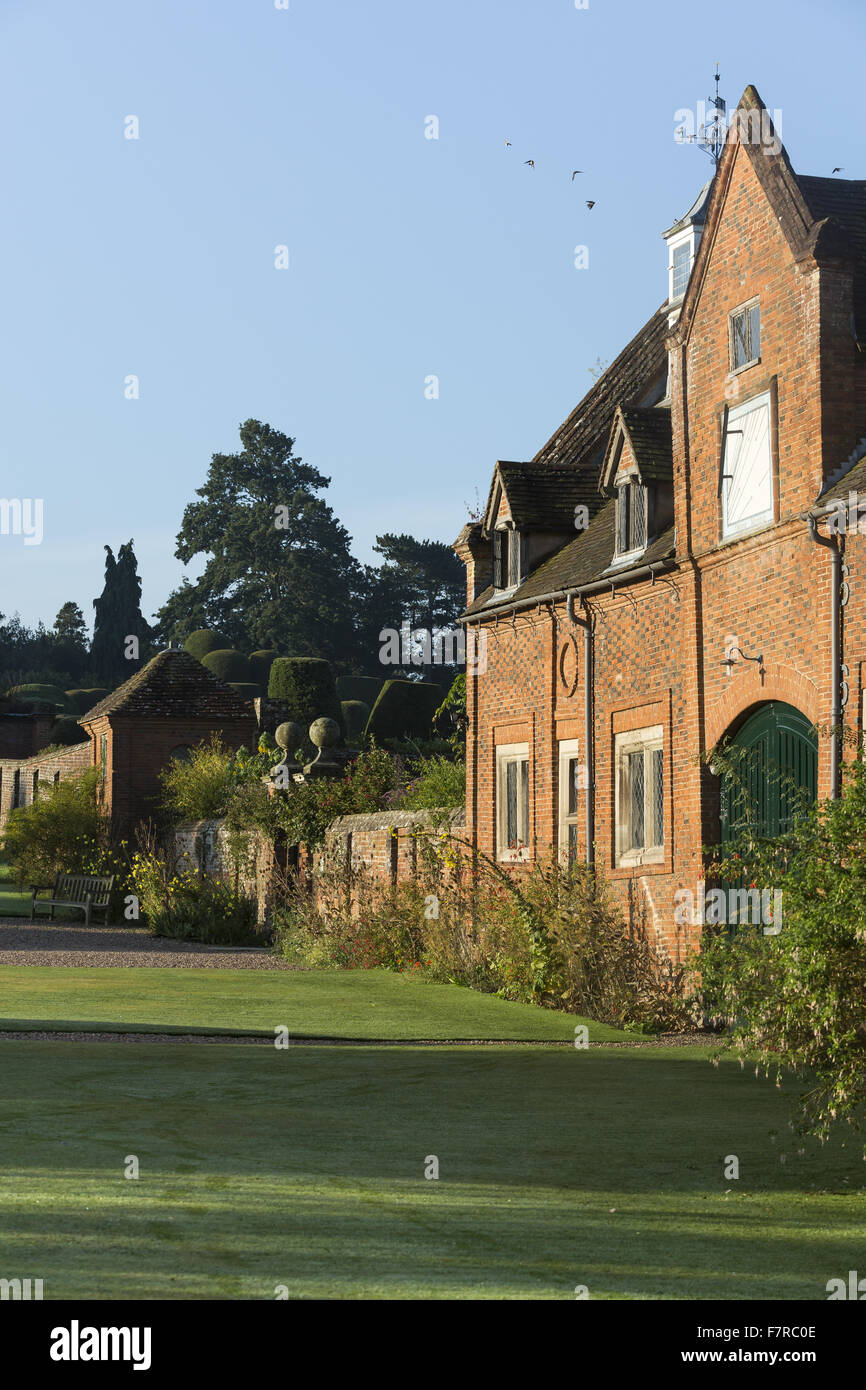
[[834, 547], [598, 586]]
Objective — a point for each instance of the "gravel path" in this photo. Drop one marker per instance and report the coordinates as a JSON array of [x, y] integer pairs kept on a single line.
[[72, 944], [666, 1040]]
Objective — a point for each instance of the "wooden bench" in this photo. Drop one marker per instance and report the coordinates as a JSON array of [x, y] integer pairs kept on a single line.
[[74, 890]]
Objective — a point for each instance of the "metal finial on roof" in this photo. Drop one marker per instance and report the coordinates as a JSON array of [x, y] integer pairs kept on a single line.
[[712, 133]]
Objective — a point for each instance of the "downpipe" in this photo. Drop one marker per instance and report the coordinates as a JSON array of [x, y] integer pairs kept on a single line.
[[832, 544], [588, 741]]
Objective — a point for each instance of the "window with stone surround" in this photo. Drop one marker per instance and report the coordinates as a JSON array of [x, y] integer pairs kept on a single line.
[[572, 780], [747, 467], [512, 802], [640, 802]]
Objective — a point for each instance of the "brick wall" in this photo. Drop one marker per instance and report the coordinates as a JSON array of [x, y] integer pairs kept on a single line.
[[209, 848], [659, 647], [46, 767]]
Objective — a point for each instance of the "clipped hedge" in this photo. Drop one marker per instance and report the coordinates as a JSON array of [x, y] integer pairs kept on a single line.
[[355, 716], [364, 688], [43, 694], [306, 684], [248, 690], [404, 709], [67, 732], [81, 700], [261, 663], [227, 665], [204, 640]]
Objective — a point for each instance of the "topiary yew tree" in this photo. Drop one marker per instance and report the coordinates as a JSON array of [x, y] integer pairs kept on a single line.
[[227, 665], [205, 640], [306, 684], [404, 709]]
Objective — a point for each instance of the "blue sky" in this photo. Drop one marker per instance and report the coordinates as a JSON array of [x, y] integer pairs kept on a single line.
[[408, 257]]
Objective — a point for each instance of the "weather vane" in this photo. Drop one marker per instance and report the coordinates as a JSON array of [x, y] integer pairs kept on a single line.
[[713, 131]]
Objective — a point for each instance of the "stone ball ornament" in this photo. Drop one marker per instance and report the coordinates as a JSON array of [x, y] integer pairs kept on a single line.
[[325, 733], [289, 736]]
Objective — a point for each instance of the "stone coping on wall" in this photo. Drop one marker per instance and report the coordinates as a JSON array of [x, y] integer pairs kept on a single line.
[[398, 820]]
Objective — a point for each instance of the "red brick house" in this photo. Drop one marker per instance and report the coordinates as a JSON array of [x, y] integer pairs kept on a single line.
[[166, 708], [670, 569]]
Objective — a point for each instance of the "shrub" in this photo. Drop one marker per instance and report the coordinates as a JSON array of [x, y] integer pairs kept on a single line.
[[204, 640], [435, 782], [404, 708], [450, 720], [365, 688], [64, 831], [306, 811], [355, 716], [796, 997], [227, 665], [177, 902], [44, 694], [198, 787], [306, 684], [553, 939], [260, 665]]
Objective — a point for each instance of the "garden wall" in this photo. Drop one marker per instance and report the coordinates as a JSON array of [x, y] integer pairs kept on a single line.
[[51, 765], [210, 845], [383, 844]]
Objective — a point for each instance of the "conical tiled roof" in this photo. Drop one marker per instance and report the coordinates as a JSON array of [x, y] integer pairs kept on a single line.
[[172, 686]]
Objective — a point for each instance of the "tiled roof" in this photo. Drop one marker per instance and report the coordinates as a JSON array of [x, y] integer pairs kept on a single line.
[[649, 432], [844, 200], [544, 496], [582, 561], [853, 481], [172, 686], [580, 440]]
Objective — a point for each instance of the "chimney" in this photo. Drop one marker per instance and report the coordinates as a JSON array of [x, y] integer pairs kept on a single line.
[[476, 553]]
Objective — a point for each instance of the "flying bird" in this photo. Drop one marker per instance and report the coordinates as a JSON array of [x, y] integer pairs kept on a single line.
[[837, 170], [577, 171], [590, 203], [530, 162], [508, 142]]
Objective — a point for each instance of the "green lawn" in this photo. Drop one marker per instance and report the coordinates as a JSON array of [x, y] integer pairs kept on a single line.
[[305, 1167], [357, 1004]]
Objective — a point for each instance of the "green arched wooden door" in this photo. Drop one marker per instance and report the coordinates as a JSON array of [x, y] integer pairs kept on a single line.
[[777, 771]]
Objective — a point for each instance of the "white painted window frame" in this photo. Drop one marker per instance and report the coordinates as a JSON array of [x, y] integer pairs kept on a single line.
[[765, 516], [510, 753], [569, 748], [644, 741]]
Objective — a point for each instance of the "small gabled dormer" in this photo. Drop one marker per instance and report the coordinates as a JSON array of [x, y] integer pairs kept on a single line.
[[533, 508], [638, 473]]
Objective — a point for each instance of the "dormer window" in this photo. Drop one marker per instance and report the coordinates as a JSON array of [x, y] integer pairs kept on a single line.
[[680, 269], [681, 255], [631, 517], [509, 558]]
